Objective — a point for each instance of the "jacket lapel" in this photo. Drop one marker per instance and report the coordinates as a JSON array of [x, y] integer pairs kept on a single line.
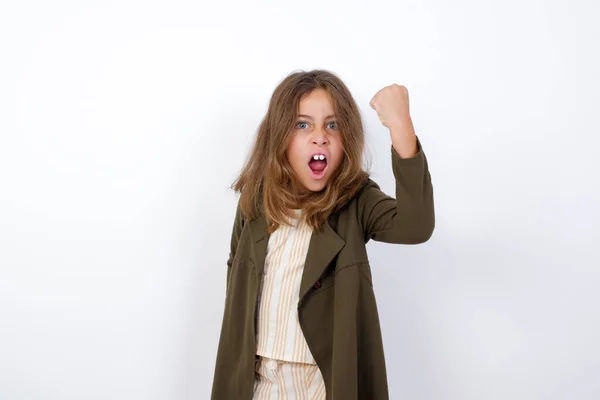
[[322, 249], [260, 238]]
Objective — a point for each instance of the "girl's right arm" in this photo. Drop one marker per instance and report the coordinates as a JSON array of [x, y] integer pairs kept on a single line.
[[238, 224]]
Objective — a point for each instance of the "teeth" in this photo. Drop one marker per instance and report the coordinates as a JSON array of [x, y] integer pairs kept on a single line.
[[318, 157]]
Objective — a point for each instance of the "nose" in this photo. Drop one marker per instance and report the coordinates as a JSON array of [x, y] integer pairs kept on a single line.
[[320, 138]]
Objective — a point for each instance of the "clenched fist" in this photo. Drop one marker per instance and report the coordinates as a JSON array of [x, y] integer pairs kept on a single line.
[[391, 105]]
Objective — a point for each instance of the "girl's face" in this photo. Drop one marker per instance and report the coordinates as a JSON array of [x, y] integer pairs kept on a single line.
[[315, 148]]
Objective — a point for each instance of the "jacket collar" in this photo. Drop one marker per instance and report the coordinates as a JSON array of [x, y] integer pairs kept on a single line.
[[323, 247]]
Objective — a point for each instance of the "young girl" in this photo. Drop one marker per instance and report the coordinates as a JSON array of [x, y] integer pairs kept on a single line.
[[300, 318]]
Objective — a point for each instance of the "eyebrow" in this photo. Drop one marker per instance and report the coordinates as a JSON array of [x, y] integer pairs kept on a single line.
[[309, 117]]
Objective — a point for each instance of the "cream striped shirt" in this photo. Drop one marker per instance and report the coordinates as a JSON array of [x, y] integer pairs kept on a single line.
[[279, 334]]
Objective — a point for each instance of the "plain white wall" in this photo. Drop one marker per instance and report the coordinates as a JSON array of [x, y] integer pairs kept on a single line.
[[124, 122]]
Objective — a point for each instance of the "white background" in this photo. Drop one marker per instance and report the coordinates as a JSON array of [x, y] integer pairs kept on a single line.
[[123, 123]]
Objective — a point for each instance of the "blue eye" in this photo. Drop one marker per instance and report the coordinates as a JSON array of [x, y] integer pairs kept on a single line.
[[330, 125]]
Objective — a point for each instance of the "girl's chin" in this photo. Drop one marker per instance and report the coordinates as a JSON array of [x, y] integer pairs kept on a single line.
[[315, 186]]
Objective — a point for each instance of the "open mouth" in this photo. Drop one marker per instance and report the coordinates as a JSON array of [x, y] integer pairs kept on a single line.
[[318, 165]]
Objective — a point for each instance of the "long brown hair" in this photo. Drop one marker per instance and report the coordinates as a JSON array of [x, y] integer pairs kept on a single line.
[[267, 182]]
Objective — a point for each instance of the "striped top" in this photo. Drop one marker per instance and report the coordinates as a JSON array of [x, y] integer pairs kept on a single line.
[[279, 334]]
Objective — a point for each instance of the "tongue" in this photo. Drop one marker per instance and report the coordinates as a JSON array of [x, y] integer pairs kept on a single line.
[[317, 165]]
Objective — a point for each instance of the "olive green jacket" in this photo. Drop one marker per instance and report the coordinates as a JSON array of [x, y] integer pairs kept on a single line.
[[336, 308]]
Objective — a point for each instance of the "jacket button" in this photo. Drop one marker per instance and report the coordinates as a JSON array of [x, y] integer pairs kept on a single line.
[[317, 284]]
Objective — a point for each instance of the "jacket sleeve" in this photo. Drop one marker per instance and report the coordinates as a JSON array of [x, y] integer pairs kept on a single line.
[[410, 217], [236, 231]]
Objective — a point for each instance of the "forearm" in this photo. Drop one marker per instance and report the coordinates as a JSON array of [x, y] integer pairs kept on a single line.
[[404, 139], [414, 195]]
